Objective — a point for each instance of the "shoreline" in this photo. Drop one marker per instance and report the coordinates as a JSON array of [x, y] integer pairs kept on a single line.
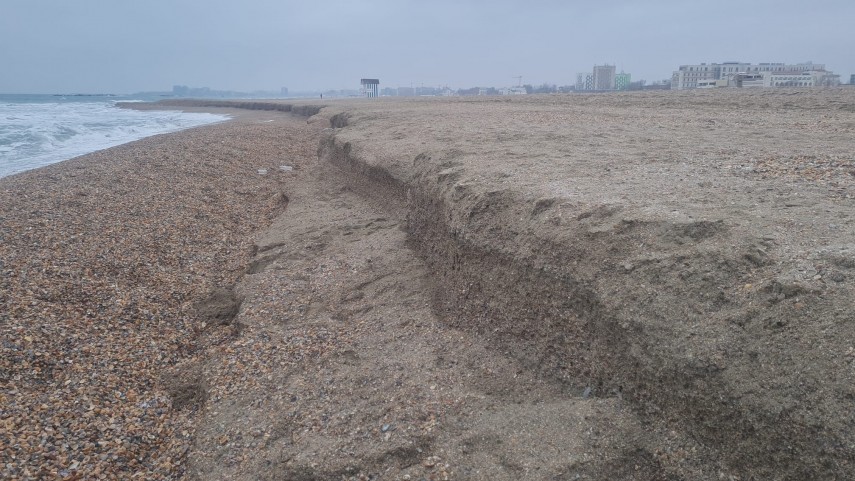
[[102, 257], [70, 148]]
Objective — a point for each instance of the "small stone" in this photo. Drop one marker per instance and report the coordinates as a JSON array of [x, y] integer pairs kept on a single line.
[[286, 168], [262, 171], [385, 427]]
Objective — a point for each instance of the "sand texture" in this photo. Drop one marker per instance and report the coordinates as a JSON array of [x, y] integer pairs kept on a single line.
[[104, 259], [633, 286], [688, 253]]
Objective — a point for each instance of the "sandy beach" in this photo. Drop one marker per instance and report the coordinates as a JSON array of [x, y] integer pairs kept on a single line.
[[627, 286], [102, 258]]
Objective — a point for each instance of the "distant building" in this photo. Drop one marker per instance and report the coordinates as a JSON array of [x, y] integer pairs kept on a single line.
[[513, 91], [825, 79], [664, 84], [739, 74], [622, 81], [584, 81], [406, 92], [423, 91], [604, 77], [747, 80], [283, 91], [709, 84], [203, 92], [370, 87], [488, 91], [688, 76], [852, 79], [804, 79]]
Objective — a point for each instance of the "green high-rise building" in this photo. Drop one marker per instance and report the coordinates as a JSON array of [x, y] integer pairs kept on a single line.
[[622, 81]]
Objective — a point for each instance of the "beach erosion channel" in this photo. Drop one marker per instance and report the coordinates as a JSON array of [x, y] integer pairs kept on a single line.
[[652, 285]]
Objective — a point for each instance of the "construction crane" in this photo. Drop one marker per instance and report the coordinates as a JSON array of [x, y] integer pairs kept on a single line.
[[519, 80]]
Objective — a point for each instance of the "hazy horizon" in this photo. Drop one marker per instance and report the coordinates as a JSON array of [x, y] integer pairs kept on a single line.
[[100, 46]]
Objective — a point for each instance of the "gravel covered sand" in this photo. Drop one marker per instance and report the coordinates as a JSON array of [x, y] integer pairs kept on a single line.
[[632, 286], [102, 258]]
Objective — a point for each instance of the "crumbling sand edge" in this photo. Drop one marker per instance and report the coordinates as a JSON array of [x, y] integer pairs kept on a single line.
[[537, 297], [549, 298]]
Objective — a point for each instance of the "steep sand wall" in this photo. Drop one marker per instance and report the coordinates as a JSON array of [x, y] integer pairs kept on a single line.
[[720, 308], [700, 322]]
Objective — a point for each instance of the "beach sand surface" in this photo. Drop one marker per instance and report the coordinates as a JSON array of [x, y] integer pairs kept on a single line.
[[626, 286], [103, 260]]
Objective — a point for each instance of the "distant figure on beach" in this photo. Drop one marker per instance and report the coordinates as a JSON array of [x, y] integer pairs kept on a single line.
[[322, 95]]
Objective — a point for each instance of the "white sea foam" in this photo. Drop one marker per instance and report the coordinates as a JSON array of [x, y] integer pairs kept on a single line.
[[37, 134]]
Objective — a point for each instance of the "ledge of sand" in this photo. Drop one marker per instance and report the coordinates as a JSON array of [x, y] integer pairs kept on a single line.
[[690, 252]]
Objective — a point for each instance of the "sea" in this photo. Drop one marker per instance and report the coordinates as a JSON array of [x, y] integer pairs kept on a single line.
[[37, 130]]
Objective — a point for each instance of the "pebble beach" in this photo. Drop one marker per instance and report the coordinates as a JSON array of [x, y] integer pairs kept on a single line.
[[101, 258]]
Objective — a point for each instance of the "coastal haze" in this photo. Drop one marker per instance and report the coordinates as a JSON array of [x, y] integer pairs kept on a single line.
[[97, 46]]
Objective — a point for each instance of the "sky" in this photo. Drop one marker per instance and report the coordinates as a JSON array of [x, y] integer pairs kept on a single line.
[[128, 46]]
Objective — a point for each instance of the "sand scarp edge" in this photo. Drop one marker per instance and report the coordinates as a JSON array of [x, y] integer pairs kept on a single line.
[[534, 305]]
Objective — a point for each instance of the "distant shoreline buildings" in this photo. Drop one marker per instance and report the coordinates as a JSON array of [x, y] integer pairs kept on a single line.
[[603, 78], [741, 75], [370, 87]]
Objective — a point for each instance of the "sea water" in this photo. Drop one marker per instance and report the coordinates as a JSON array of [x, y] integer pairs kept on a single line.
[[37, 130]]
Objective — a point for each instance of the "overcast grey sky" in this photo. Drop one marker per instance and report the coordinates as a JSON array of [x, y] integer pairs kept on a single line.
[[119, 46]]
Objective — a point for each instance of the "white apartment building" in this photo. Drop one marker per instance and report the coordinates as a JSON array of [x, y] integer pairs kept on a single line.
[[603, 78], [691, 76], [804, 79]]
